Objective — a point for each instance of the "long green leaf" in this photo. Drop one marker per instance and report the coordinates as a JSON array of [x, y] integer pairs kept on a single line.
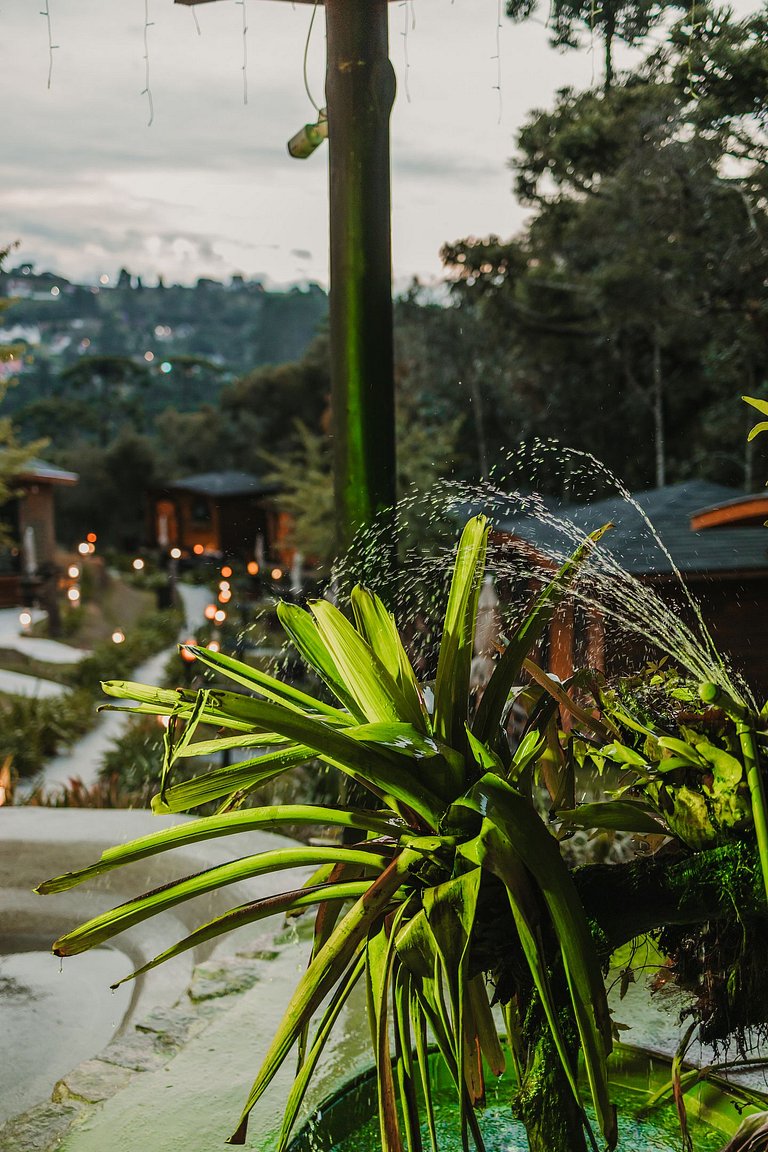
[[116, 920], [377, 693], [387, 770], [285, 903], [329, 1018], [450, 910], [303, 632], [455, 658], [323, 973], [404, 1055], [245, 776], [518, 822], [213, 827], [619, 815], [265, 685], [377, 625], [225, 708], [508, 668], [380, 954], [493, 851]]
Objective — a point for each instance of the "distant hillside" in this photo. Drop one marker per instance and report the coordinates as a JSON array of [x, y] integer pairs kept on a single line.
[[150, 347]]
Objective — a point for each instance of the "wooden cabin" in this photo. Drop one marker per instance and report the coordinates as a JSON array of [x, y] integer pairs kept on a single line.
[[227, 514], [712, 536], [30, 517]]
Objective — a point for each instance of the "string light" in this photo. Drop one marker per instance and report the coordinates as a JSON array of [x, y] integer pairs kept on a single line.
[[245, 51], [406, 64], [312, 101], [497, 58], [51, 46], [147, 89]]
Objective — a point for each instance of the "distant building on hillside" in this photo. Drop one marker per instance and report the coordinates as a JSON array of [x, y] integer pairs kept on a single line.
[[713, 536], [28, 569], [221, 513]]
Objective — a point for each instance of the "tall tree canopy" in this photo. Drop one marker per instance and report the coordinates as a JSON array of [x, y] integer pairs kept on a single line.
[[639, 282]]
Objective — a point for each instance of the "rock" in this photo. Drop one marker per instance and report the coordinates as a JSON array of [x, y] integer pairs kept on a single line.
[[91, 1082], [39, 1130], [217, 978]]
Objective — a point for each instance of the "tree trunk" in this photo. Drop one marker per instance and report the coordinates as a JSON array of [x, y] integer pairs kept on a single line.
[[545, 1103], [608, 36]]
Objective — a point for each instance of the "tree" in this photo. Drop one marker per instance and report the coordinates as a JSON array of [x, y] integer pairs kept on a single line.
[[627, 20], [639, 279], [13, 455], [424, 453]]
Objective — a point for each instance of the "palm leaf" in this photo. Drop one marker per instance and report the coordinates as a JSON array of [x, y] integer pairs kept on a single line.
[[618, 815], [242, 777]]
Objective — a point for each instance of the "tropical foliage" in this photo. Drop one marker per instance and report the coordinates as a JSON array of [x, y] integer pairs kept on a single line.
[[453, 873]]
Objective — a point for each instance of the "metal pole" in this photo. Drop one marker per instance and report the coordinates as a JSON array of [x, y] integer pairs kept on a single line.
[[360, 90]]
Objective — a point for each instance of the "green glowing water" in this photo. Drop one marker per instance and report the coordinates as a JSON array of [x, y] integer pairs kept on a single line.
[[657, 1133]]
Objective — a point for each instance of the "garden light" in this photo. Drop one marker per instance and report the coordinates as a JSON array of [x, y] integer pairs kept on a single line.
[[253, 568], [73, 571], [214, 646], [225, 596], [138, 564], [83, 548], [118, 636], [220, 616], [91, 537], [210, 611], [73, 595], [226, 571], [187, 656], [277, 573], [198, 549], [224, 585], [175, 553], [25, 619]]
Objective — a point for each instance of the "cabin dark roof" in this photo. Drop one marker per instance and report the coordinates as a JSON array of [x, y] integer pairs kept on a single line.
[[632, 541], [34, 469], [221, 484]]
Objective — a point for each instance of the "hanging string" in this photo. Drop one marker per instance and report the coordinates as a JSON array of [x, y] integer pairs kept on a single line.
[[193, 10], [312, 100], [147, 89], [245, 50], [406, 64], [497, 58], [51, 46]]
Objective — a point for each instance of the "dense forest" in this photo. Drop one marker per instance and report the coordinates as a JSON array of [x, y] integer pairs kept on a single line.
[[626, 318]]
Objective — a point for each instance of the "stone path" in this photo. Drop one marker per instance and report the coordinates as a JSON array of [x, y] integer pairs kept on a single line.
[[37, 647], [83, 759]]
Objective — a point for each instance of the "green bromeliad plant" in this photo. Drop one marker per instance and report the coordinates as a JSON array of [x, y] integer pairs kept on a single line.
[[455, 874]]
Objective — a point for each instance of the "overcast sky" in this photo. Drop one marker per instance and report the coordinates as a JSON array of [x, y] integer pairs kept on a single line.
[[208, 189]]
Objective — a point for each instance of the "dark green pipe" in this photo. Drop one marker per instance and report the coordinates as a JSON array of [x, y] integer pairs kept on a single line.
[[360, 89]]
